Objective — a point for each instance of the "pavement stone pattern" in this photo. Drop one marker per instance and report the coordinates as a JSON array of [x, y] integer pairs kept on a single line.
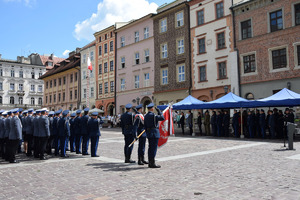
[[212, 169]]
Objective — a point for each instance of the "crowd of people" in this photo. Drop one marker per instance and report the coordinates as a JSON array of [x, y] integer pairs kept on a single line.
[[255, 123], [51, 132]]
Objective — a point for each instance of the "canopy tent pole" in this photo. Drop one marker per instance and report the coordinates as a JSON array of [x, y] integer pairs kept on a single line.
[[242, 129]]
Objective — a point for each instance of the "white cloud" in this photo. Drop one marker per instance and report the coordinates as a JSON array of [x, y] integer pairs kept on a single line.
[[66, 52], [111, 11], [28, 3]]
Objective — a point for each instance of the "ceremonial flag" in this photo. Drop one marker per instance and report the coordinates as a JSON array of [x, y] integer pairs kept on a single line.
[[166, 127], [90, 67]]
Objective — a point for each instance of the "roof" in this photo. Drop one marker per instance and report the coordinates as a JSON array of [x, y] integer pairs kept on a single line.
[[93, 43], [51, 58], [69, 63], [134, 21], [241, 2]]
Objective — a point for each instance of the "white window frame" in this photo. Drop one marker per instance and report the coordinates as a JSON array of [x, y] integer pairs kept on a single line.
[[12, 87], [163, 25], [122, 81], [92, 55], [180, 46], [181, 73], [105, 87], [164, 76], [123, 62], [147, 55], [271, 70], [242, 64], [122, 41], [21, 74], [146, 80], [136, 81], [21, 87], [32, 88], [164, 50], [295, 54], [179, 19], [137, 58], [84, 93], [136, 36], [146, 32]]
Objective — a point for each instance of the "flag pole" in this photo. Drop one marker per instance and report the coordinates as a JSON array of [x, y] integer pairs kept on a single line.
[[136, 138], [88, 81]]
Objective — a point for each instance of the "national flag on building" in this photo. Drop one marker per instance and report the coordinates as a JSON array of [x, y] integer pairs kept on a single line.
[[89, 64], [166, 127]]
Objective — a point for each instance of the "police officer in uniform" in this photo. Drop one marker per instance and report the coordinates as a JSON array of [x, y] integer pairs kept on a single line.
[[152, 132], [127, 130], [56, 132], [138, 128], [77, 131], [85, 136], [36, 133], [29, 132], [235, 123], [7, 131], [15, 135], [44, 134], [51, 138], [2, 131], [24, 125], [94, 132], [64, 132], [72, 132]]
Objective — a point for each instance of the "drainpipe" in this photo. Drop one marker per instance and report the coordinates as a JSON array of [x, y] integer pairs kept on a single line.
[[116, 68]]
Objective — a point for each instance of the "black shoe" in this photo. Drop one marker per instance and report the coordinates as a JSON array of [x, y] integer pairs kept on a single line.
[[144, 161], [85, 154], [95, 156], [140, 162], [65, 156], [78, 152], [72, 151], [43, 158], [152, 163], [28, 154], [14, 161]]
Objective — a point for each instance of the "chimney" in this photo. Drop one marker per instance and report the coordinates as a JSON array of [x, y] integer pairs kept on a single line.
[[78, 50], [71, 53], [52, 56], [0, 56]]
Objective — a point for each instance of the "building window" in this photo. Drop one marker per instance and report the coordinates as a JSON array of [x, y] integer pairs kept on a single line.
[[111, 34], [12, 87], [84, 58], [249, 63], [146, 32], [1, 86], [298, 54], [202, 71], [276, 21], [164, 76], [181, 73], [297, 14], [21, 74], [163, 25], [136, 36], [179, 19], [40, 88], [1, 100], [105, 36], [122, 84], [59, 97], [112, 86], [20, 87], [12, 100], [100, 88], [201, 44], [111, 66], [105, 67], [147, 57], [71, 95], [47, 85], [219, 10], [64, 96], [32, 101], [50, 64], [46, 99], [122, 62], [105, 48], [51, 84], [40, 101], [246, 29], [100, 50], [200, 17], [279, 58], [123, 41], [32, 75], [84, 93], [71, 78], [54, 82], [100, 68], [100, 39], [92, 92], [146, 80], [164, 51], [137, 58], [92, 55], [50, 99], [75, 94], [1, 72], [221, 40], [12, 73], [64, 80], [180, 46], [75, 76], [111, 46], [59, 81], [106, 87], [136, 82], [21, 100], [54, 98], [32, 88], [222, 70]]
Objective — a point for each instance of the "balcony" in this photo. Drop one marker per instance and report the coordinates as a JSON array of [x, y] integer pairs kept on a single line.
[[20, 93]]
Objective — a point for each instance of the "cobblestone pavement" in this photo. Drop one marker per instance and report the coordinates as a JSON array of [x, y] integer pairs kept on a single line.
[[192, 168]]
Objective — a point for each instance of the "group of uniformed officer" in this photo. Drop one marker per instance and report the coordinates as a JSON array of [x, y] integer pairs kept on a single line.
[[43, 131], [133, 125]]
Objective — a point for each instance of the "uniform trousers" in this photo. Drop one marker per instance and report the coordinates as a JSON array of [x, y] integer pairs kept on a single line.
[[78, 139], [142, 144], [5, 148], [153, 142], [42, 146], [62, 142], [128, 150], [1, 146], [49, 145], [12, 149], [56, 144], [85, 143], [207, 129], [94, 145], [36, 146], [236, 130], [263, 131], [29, 145], [72, 143]]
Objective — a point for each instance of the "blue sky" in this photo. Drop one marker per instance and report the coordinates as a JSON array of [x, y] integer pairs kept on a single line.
[[59, 26]]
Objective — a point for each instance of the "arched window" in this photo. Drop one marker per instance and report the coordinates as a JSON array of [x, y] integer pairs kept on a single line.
[[32, 101], [1, 100], [20, 100], [40, 101], [12, 100], [249, 96]]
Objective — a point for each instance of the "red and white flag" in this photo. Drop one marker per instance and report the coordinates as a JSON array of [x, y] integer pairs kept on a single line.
[[89, 64], [166, 127]]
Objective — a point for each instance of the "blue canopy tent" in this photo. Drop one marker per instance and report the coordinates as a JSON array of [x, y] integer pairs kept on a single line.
[[189, 103], [230, 100], [283, 98]]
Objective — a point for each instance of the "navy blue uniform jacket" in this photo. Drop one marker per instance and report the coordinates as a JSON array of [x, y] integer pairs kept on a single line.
[[151, 124]]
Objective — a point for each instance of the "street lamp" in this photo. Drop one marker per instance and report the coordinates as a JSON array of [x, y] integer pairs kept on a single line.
[[226, 89], [289, 85], [138, 100]]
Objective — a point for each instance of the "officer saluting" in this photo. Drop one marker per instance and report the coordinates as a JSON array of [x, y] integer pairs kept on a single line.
[[127, 130], [152, 132], [138, 127], [94, 132]]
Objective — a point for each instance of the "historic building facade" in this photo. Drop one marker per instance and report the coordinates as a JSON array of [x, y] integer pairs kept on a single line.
[[268, 40], [214, 60], [49, 60], [62, 84], [172, 80], [135, 63], [88, 83], [19, 83]]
